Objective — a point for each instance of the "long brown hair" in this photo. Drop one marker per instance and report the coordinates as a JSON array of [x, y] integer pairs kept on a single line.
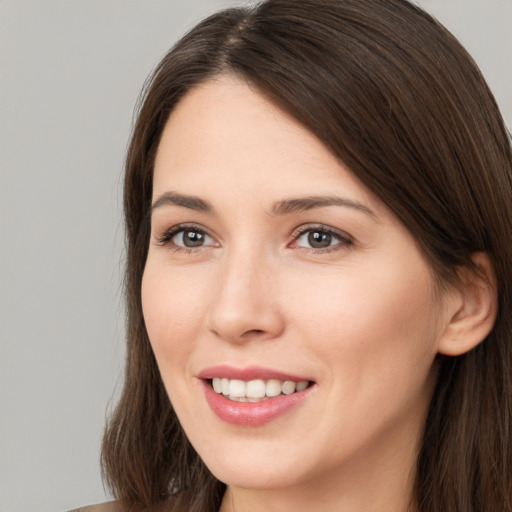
[[401, 103]]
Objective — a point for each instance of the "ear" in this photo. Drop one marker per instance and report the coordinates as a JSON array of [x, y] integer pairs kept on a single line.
[[473, 306]]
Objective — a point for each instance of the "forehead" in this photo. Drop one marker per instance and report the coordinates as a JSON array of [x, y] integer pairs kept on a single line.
[[226, 117], [226, 139]]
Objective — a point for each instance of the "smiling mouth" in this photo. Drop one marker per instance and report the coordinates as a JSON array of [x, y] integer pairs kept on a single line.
[[256, 390]]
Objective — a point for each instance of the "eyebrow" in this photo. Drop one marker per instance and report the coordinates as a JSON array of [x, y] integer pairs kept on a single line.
[[302, 204], [191, 202], [284, 207]]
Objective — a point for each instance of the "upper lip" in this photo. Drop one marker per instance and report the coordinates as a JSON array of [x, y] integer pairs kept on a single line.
[[248, 373]]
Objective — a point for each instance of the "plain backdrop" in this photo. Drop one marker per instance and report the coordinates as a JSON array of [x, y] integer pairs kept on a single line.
[[70, 74]]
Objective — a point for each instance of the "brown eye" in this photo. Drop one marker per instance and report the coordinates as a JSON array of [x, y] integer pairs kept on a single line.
[[191, 238], [319, 239], [322, 239]]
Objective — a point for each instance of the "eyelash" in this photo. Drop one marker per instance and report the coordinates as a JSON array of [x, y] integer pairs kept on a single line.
[[167, 236], [344, 240]]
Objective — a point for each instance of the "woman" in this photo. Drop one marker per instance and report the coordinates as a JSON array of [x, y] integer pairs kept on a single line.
[[318, 208]]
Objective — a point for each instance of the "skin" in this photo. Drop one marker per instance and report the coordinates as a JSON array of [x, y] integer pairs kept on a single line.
[[362, 317]]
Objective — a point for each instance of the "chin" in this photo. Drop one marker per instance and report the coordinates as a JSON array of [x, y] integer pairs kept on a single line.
[[259, 464], [246, 475]]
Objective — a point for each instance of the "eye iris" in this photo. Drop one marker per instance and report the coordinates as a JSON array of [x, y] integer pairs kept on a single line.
[[319, 240], [193, 239]]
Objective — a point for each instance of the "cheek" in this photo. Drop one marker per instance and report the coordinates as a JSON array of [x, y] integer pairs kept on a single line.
[[373, 327], [173, 312], [373, 336]]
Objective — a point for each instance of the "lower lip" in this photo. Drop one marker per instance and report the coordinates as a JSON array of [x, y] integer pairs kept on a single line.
[[252, 414]]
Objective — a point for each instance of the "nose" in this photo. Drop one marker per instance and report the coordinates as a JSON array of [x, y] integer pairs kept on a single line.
[[246, 304]]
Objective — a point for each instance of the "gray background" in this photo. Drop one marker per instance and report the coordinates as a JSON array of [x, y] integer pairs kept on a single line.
[[70, 73]]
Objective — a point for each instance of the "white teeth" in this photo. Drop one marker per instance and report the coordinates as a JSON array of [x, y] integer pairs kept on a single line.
[[288, 387], [256, 390], [238, 398], [225, 386], [236, 388], [273, 387], [302, 385], [217, 385]]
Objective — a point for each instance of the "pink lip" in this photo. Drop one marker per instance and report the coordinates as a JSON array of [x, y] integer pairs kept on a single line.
[[250, 414]]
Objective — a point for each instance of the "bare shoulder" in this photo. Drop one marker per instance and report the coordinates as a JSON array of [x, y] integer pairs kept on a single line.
[[111, 506]]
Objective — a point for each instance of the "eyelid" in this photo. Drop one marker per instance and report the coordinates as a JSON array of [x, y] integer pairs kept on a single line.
[[344, 238]]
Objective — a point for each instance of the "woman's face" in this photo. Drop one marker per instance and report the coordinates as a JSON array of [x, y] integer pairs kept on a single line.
[[269, 262]]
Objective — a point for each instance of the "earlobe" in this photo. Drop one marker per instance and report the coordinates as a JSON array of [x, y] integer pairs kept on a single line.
[[474, 308]]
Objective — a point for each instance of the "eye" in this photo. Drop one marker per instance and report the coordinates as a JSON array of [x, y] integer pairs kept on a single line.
[[316, 240], [321, 238], [191, 238], [186, 237]]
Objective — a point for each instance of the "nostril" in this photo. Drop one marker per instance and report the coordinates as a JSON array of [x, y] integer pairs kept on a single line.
[[252, 333]]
